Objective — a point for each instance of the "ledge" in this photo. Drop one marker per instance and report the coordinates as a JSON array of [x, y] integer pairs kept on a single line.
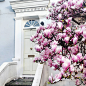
[[5, 65], [31, 5]]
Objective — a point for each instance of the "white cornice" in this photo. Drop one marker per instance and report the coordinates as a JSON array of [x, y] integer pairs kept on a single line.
[[29, 5], [31, 9]]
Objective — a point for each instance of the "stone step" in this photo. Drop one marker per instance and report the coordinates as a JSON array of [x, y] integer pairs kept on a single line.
[[24, 81]]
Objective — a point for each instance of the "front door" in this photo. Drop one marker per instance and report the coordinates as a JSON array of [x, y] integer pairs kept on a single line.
[[29, 52]]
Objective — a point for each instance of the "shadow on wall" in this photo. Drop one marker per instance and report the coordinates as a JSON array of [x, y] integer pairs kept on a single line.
[[10, 8]]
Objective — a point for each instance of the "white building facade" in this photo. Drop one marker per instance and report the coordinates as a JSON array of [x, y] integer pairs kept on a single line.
[[29, 15]]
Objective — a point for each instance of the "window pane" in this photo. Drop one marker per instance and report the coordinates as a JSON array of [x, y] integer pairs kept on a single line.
[[31, 23]]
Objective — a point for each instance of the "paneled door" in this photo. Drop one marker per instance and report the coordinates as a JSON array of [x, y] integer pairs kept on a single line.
[[29, 53]]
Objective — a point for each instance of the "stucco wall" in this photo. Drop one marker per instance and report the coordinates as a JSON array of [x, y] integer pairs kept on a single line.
[[6, 32]]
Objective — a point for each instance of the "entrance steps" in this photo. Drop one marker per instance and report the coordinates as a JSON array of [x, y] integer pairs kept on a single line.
[[24, 81]]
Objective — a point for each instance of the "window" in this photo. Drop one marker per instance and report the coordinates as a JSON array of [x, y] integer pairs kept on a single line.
[[33, 23]]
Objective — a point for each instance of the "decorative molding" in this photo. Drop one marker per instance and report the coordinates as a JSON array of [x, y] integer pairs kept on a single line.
[[20, 6], [16, 59], [31, 9]]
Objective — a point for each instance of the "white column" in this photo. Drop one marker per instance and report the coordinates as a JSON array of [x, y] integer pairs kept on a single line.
[[18, 30], [18, 44]]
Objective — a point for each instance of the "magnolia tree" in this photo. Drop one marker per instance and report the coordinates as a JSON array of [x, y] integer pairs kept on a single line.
[[58, 42]]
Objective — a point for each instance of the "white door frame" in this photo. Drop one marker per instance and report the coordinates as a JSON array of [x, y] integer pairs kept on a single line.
[[28, 9], [19, 44]]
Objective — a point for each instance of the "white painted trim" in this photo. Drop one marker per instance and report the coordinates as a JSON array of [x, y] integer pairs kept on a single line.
[[8, 72], [19, 44], [40, 14], [5, 65], [41, 75], [37, 78], [22, 49], [29, 5], [16, 59], [27, 76]]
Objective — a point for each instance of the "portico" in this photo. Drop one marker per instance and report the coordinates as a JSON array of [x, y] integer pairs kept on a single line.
[[29, 15]]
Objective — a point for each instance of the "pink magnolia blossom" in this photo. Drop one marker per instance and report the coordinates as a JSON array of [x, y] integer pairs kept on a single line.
[[60, 25], [69, 48], [58, 77], [59, 16], [84, 33], [74, 58], [75, 49], [53, 47], [65, 5], [68, 61], [64, 35], [53, 3], [48, 52], [55, 66], [54, 25], [83, 39], [47, 33], [84, 9], [37, 48], [40, 36], [47, 17], [68, 29], [54, 43], [78, 32], [71, 69], [58, 60], [81, 67], [58, 38], [36, 59], [75, 39], [80, 3], [58, 49], [45, 42], [51, 78], [50, 62], [32, 38], [66, 39], [62, 59], [49, 9], [85, 57], [69, 20], [84, 63], [65, 66], [84, 73], [79, 55], [70, 2], [77, 82], [83, 27], [62, 72]]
